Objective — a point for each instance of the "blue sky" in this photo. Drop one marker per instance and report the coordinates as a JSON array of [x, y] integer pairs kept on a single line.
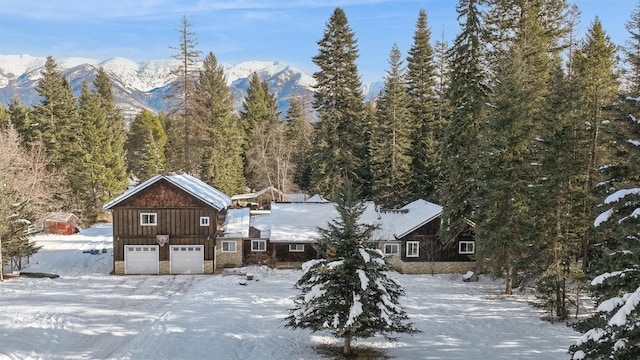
[[240, 30]]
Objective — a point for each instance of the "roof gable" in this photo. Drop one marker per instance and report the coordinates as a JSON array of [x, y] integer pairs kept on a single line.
[[187, 183]]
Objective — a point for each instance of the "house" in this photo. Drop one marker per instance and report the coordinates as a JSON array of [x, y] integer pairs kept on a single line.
[[229, 247], [284, 236], [62, 223], [409, 236], [168, 224], [258, 200]]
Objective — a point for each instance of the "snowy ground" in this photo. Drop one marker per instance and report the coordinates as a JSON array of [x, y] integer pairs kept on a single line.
[[88, 314]]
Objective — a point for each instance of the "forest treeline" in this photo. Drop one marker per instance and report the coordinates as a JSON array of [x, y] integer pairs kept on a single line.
[[519, 127]]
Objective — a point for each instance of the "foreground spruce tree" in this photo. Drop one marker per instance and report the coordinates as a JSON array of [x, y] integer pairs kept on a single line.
[[348, 293]]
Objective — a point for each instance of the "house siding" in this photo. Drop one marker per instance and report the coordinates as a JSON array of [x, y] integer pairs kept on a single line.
[[177, 215], [430, 248]]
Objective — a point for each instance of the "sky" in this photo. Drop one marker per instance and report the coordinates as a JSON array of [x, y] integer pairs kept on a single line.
[[242, 30]]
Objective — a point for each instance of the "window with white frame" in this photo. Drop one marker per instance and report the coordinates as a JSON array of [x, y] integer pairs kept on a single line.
[[467, 247], [258, 245], [391, 249], [204, 221], [229, 246], [296, 247], [148, 219], [412, 248]]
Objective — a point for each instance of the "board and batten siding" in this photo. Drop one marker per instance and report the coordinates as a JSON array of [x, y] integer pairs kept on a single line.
[[182, 226]]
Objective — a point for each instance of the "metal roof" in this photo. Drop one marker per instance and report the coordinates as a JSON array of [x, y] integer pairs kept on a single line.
[[193, 186]]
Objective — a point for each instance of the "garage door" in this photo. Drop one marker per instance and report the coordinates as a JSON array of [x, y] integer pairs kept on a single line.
[[187, 259], [141, 259]]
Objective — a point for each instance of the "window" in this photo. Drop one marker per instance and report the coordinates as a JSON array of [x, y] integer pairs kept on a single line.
[[258, 245], [148, 219], [228, 246], [391, 249], [204, 221], [412, 248], [296, 247], [467, 247]]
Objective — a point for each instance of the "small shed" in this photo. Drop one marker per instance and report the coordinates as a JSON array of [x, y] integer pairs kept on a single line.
[[62, 223]]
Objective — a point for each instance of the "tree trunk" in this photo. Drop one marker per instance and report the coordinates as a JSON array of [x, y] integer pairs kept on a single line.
[[508, 289], [346, 349]]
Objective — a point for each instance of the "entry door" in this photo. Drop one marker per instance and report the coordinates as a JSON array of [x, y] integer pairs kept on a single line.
[[187, 259], [141, 259]]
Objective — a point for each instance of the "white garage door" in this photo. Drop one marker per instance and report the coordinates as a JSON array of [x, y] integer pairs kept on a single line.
[[141, 259], [187, 259]]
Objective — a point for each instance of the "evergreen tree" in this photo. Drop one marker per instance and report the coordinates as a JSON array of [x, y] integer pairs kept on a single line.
[[632, 51], [90, 176], [612, 331], [298, 132], [340, 148], [221, 164], [467, 96], [145, 146], [505, 171], [174, 149], [558, 194], [391, 140], [427, 136], [113, 138], [55, 116], [348, 292], [21, 119], [443, 81], [260, 118], [5, 118], [182, 95], [597, 87]]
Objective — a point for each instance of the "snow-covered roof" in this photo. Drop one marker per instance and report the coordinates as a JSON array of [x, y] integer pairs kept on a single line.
[[255, 194], [298, 222], [236, 223], [398, 223], [193, 186], [60, 217]]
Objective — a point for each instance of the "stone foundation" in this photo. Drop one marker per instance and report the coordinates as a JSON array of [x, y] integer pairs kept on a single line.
[[118, 268], [165, 268], [208, 266]]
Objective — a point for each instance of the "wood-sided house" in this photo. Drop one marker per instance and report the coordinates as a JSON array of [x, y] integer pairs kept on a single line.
[[410, 236], [167, 225], [286, 234]]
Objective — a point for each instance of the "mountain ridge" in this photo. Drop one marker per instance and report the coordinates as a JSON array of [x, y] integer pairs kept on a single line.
[[145, 84]]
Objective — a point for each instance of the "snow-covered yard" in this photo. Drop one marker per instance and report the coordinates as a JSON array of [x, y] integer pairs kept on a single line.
[[89, 314]]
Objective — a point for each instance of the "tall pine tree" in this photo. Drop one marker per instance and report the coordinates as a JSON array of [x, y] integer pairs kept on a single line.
[[221, 163], [264, 132], [145, 146], [427, 135], [182, 133], [391, 140], [612, 331], [340, 149], [298, 132], [467, 96]]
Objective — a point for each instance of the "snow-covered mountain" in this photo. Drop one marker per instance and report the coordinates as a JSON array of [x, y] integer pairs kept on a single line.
[[145, 84]]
